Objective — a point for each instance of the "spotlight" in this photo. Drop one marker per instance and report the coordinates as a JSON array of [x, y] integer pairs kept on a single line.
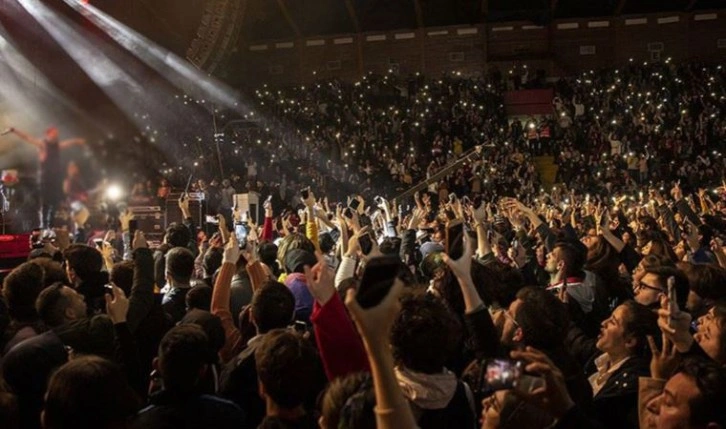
[[114, 192]]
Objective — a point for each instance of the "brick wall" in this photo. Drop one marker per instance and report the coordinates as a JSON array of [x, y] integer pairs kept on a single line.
[[561, 48]]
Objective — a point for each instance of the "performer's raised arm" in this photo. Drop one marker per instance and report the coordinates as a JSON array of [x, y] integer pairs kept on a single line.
[[71, 142], [27, 137]]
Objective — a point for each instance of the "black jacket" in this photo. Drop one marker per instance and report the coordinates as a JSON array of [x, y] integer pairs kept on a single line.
[[169, 411], [174, 303], [146, 319], [616, 404], [238, 383], [92, 288]]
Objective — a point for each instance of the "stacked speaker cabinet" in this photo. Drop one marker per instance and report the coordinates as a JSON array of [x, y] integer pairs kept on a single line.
[[196, 208], [150, 220], [250, 203]]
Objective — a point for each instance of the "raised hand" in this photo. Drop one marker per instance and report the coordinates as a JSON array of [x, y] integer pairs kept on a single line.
[[675, 324], [117, 305], [665, 361], [106, 251], [461, 268], [320, 280], [139, 241], [676, 192], [184, 203], [231, 250], [417, 216], [375, 323], [553, 396]]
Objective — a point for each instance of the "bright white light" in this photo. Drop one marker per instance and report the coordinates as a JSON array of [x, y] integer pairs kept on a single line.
[[114, 192]]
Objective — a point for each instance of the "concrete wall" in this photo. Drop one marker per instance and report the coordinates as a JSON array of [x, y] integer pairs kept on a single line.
[[561, 48]]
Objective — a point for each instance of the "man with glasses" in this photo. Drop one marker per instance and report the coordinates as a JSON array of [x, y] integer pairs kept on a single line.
[[654, 284]]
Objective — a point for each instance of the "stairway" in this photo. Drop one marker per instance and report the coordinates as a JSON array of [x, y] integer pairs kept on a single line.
[[547, 170]]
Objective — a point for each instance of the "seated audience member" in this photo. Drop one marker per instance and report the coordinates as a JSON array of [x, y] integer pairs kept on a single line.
[[272, 307], [89, 393], [179, 269], [287, 368], [20, 290], [182, 364], [83, 268]]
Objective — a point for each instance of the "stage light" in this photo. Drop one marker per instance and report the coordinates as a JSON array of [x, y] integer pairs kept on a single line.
[[114, 192]]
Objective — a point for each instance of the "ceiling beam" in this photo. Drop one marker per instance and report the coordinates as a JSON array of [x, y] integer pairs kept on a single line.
[[419, 13], [288, 17], [620, 7], [353, 15]]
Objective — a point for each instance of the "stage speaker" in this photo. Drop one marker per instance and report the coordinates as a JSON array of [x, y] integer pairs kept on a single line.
[[250, 202], [150, 220], [197, 209]]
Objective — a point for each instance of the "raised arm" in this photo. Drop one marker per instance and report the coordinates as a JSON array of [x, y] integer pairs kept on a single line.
[[142, 289], [65, 144], [220, 300], [28, 138], [603, 227], [392, 411], [341, 349]]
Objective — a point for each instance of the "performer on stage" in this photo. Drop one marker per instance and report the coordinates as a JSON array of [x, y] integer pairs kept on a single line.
[[51, 170]]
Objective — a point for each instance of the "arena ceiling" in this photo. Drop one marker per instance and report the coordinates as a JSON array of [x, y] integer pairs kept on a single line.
[[175, 24]]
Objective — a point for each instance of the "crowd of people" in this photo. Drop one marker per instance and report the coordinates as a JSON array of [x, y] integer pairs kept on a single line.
[[483, 300]]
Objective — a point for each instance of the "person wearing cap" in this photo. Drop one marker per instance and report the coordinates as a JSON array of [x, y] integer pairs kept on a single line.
[[295, 262]]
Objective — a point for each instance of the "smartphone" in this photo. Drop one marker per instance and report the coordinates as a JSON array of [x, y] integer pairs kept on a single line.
[[305, 193], [366, 243], [672, 298], [241, 231], [348, 213], [98, 242], [133, 226], [455, 239], [502, 374], [377, 280], [269, 199], [452, 198], [108, 288], [212, 219], [378, 200], [300, 326], [354, 204]]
